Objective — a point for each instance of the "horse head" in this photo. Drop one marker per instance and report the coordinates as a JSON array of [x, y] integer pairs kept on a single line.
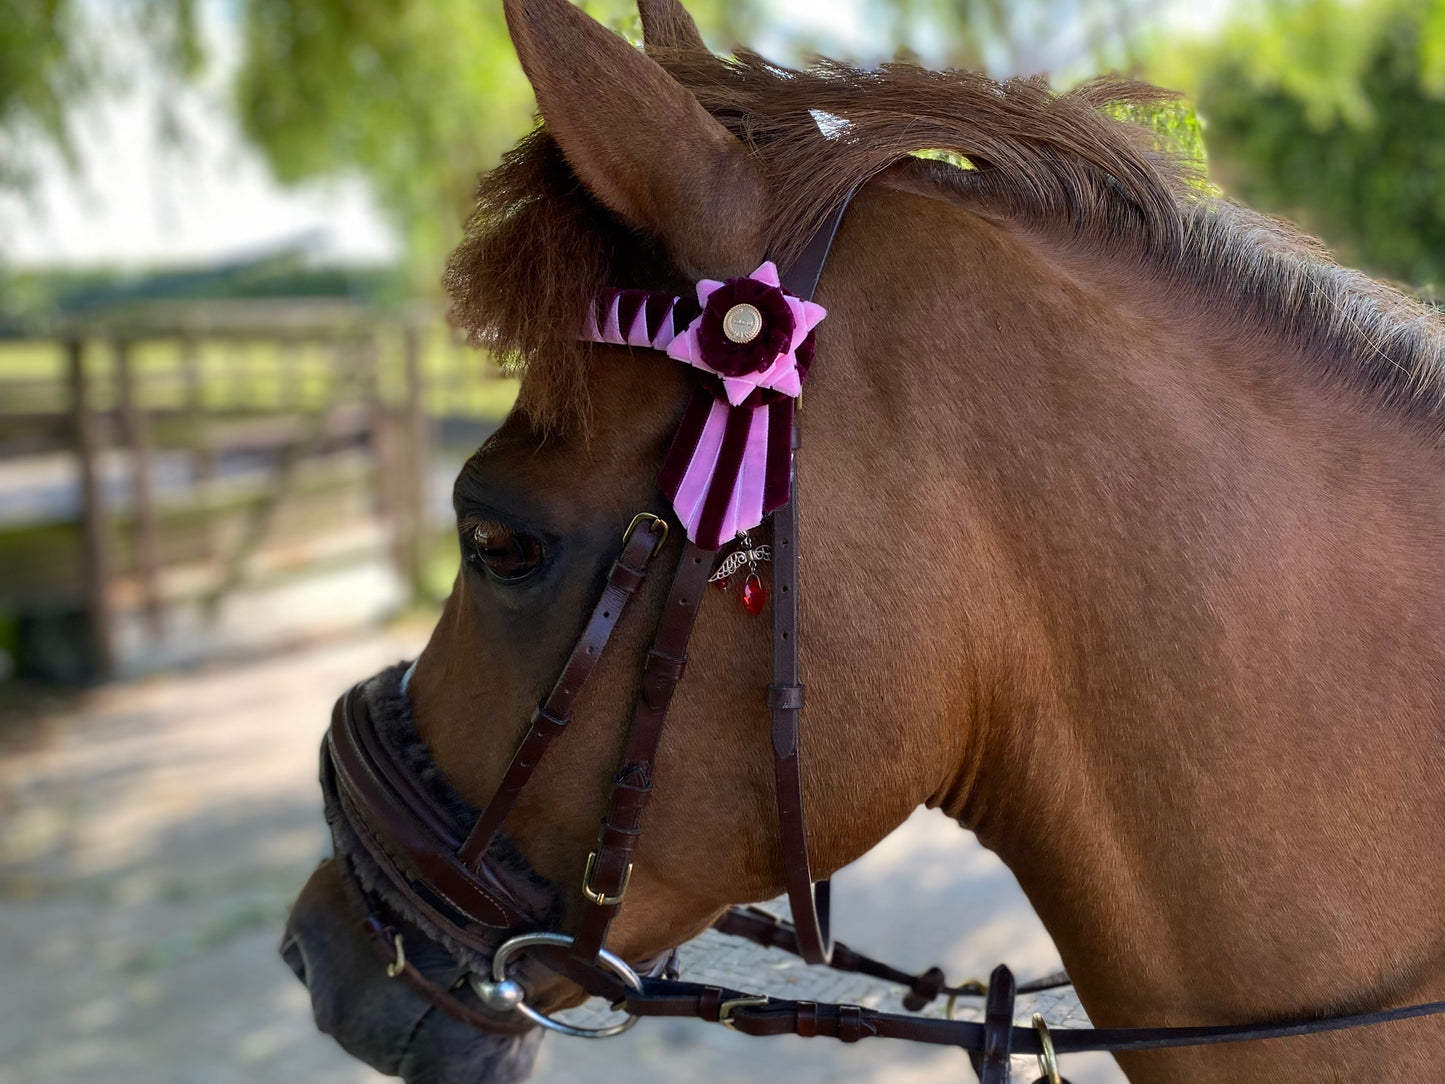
[[1051, 435]]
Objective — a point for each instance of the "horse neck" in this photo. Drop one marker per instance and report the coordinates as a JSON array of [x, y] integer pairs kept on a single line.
[[1202, 629]]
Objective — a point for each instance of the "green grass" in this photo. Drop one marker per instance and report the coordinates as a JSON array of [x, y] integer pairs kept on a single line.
[[31, 361]]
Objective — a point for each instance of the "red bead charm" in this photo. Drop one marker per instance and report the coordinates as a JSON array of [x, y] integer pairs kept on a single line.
[[722, 584], [755, 595]]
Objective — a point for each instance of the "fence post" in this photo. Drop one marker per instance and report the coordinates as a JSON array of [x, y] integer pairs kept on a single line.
[[291, 374], [416, 492], [461, 375], [202, 461], [95, 526], [238, 358], [142, 495], [382, 439]]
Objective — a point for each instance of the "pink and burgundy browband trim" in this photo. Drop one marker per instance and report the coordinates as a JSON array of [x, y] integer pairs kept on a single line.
[[751, 342]]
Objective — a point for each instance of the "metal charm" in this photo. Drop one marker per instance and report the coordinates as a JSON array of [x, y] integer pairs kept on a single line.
[[746, 554]]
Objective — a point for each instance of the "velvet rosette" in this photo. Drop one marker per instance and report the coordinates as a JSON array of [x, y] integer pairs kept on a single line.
[[762, 358]]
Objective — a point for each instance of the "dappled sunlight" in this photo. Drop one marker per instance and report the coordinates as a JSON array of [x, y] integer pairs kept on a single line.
[[145, 870], [151, 850]]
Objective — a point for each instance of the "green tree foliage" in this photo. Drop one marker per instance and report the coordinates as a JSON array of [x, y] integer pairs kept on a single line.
[[417, 95], [52, 58], [43, 68], [1331, 112], [1333, 115], [1068, 38], [414, 94], [1178, 130]]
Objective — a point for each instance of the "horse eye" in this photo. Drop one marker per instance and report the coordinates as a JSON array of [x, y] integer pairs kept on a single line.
[[505, 553]]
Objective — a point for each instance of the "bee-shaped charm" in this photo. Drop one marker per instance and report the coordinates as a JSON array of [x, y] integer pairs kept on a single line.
[[754, 595]]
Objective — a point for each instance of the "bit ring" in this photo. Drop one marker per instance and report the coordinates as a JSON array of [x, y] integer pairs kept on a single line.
[[612, 963]]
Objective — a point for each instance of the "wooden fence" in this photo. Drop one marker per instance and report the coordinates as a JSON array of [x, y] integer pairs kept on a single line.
[[208, 439]]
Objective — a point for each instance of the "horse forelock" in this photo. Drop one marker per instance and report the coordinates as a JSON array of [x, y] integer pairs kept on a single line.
[[538, 246]]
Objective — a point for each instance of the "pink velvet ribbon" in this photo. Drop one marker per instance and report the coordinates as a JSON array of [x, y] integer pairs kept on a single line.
[[730, 463]]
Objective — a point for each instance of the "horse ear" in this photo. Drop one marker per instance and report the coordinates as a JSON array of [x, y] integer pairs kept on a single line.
[[667, 25], [639, 140]]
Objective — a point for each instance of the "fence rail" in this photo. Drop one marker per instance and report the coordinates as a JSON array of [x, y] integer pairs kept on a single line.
[[203, 439]]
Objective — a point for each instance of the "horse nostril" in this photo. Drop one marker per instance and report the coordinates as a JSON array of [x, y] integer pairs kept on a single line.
[[294, 957]]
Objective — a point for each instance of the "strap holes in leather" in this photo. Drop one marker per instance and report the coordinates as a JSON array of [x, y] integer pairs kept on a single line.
[[606, 614]]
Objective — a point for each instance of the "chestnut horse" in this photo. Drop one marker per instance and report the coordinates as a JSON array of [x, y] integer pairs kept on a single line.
[[1125, 518]]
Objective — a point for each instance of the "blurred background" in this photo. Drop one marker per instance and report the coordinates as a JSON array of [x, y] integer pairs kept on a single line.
[[231, 410]]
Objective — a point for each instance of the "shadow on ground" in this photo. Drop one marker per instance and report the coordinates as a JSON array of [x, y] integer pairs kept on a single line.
[[151, 843]]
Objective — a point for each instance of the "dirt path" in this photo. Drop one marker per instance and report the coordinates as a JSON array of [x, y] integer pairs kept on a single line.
[[149, 849]]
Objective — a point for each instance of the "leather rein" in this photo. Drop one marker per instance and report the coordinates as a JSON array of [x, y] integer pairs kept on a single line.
[[455, 884]]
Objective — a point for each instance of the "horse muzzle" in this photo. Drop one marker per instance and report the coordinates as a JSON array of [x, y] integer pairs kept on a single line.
[[357, 1000]]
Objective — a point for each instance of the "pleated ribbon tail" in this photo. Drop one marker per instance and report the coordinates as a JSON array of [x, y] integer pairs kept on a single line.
[[728, 467]]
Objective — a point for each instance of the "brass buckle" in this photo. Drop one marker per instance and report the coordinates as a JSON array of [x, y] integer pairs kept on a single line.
[[725, 1010], [970, 986], [600, 897], [1048, 1060], [656, 522]]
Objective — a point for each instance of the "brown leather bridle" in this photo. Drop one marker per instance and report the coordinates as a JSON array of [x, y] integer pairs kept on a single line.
[[455, 885]]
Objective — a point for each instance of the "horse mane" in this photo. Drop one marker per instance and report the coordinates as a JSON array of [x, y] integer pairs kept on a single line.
[[538, 247]]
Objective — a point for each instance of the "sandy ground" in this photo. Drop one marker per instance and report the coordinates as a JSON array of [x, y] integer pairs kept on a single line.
[[150, 844]]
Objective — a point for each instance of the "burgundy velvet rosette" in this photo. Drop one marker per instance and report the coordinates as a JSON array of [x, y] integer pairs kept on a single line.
[[752, 341]]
